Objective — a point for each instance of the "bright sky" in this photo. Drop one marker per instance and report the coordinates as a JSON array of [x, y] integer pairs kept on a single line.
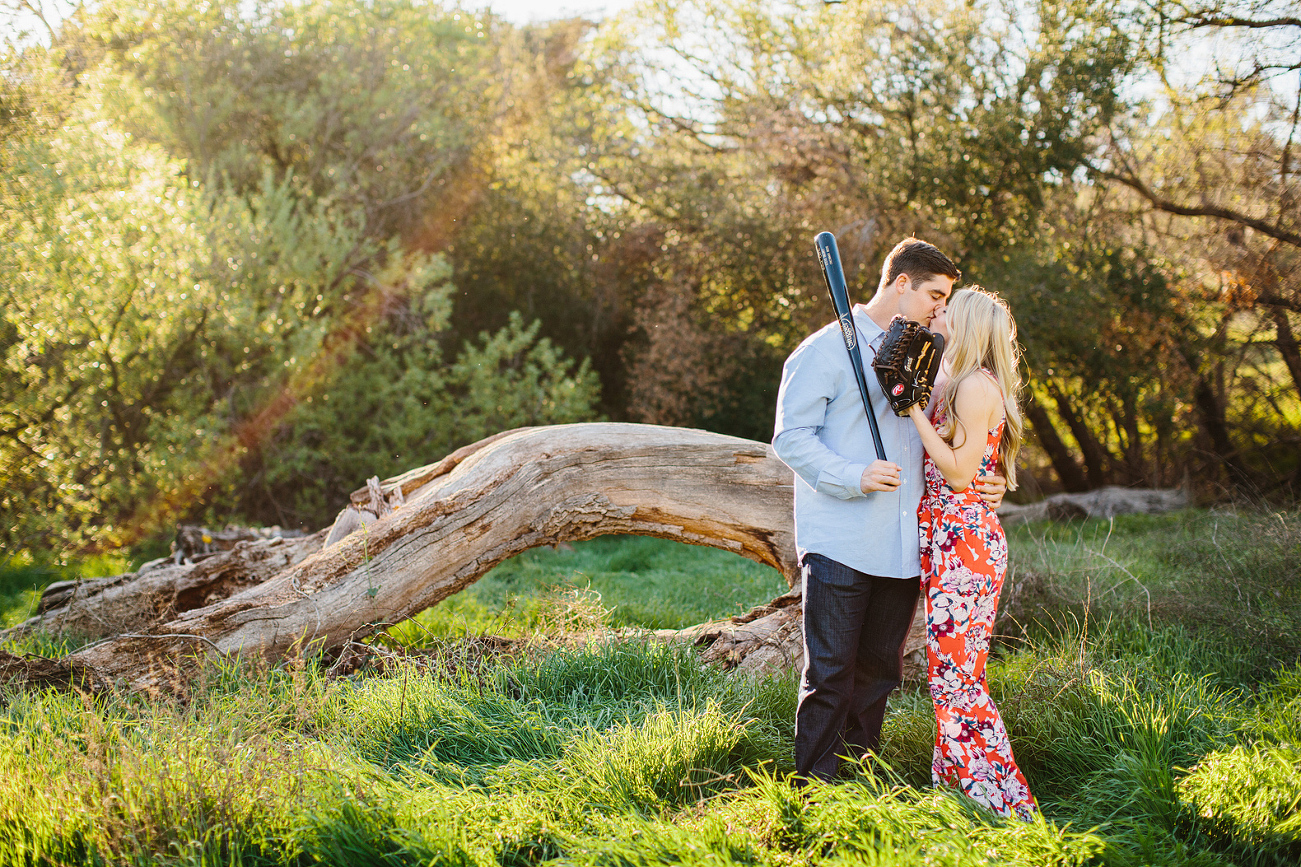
[[524, 11], [516, 11]]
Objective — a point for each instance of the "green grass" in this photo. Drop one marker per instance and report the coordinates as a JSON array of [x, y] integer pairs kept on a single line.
[[21, 581], [642, 582], [1230, 577], [1162, 744]]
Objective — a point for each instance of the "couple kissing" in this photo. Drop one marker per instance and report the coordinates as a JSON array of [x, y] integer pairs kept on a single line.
[[873, 535]]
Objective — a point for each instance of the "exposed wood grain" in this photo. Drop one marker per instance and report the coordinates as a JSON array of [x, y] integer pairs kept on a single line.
[[138, 602], [435, 530], [527, 488]]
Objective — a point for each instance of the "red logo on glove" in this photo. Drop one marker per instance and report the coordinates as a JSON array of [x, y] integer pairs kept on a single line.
[[897, 390]]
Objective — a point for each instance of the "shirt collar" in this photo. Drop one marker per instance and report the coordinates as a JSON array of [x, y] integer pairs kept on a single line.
[[867, 326]]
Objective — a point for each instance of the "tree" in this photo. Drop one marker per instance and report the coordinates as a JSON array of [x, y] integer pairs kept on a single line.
[[724, 133], [399, 402], [218, 227], [1206, 169], [723, 136], [133, 303]]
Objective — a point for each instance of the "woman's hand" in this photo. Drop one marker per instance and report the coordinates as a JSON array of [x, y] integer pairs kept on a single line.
[[978, 403], [991, 487]]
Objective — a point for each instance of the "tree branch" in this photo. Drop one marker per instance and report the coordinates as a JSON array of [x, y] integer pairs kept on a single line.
[[1198, 20], [1171, 207]]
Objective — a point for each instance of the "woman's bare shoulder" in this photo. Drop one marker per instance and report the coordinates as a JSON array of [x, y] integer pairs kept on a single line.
[[978, 396], [979, 386]]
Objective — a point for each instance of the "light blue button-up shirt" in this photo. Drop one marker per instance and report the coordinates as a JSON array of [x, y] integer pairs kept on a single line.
[[823, 435]]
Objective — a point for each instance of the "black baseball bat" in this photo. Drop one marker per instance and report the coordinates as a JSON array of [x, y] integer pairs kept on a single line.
[[829, 257]]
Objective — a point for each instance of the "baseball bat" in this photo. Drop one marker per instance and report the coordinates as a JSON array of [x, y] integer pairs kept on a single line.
[[834, 273]]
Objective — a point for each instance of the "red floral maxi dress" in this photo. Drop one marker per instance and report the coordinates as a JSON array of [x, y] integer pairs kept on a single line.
[[964, 560]]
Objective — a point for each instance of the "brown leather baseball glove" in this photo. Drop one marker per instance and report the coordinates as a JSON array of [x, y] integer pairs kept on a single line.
[[907, 362]]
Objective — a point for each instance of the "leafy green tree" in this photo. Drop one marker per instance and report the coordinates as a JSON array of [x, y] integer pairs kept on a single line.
[[397, 406], [135, 305], [374, 106], [1100, 324], [721, 136], [729, 133], [221, 277], [1204, 174]]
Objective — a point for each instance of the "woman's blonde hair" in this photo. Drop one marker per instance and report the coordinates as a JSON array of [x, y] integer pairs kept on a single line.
[[982, 334]]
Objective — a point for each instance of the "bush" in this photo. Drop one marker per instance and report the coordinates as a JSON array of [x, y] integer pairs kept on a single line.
[[397, 404]]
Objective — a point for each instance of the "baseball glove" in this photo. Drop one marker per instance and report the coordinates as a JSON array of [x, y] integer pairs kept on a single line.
[[906, 363]]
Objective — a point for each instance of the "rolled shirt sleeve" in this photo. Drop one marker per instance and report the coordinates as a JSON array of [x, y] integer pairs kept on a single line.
[[824, 470]]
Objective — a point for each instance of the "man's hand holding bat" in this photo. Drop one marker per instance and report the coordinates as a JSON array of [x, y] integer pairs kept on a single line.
[[907, 367], [880, 476]]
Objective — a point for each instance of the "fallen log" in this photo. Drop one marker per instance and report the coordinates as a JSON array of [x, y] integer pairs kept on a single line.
[[194, 543], [162, 590], [523, 489], [39, 672], [1105, 502], [404, 544], [201, 572]]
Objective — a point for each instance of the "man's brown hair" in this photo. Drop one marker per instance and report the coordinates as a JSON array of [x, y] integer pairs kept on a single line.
[[919, 260]]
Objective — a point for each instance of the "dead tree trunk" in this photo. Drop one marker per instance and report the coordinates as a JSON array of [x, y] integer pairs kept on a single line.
[[430, 533], [463, 516], [161, 591], [164, 590]]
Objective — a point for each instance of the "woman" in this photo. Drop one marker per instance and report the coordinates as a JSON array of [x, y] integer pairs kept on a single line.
[[977, 426]]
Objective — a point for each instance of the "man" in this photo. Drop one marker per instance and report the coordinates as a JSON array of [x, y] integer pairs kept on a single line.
[[856, 516]]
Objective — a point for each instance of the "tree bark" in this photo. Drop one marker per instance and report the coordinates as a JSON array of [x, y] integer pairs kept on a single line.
[[1286, 342], [442, 527], [1094, 453], [104, 607], [1068, 471], [162, 590], [1211, 412]]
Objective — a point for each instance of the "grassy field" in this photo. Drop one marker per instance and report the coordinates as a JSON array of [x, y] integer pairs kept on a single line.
[[640, 582], [1149, 678]]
